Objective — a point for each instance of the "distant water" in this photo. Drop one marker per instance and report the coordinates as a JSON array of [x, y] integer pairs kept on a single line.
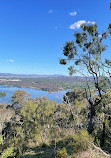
[[9, 90]]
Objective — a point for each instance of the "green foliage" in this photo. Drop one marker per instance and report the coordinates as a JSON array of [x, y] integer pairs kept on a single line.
[[85, 50], [63, 62], [88, 61], [39, 111], [19, 97], [7, 152], [80, 141], [2, 94], [76, 142], [44, 145], [37, 117], [108, 62], [103, 126], [62, 153], [43, 126]]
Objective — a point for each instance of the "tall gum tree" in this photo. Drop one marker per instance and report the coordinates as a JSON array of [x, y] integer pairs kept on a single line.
[[85, 56]]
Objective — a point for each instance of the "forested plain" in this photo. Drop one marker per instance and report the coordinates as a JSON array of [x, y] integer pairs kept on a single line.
[[47, 83]]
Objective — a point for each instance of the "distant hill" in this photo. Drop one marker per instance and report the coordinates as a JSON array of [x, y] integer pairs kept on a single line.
[[10, 75], [27, 75]]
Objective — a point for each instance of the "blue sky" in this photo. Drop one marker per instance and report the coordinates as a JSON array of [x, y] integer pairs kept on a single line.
[[33, 32]]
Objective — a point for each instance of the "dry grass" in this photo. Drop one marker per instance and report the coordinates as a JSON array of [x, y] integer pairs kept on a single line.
[[89, 154]]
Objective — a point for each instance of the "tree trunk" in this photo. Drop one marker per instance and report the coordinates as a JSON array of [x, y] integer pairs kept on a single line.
[[91, 122], [103, 135]]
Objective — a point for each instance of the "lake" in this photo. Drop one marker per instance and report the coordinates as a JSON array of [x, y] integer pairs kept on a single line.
[[9, 90]]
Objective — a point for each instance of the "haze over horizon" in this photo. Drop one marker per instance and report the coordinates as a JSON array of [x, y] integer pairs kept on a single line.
[[23, 74], [34, 32]]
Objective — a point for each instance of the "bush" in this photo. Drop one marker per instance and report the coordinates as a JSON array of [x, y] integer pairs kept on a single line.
[[7, 152], [80, 141], [43, 145], [65, 141], [62, 153]]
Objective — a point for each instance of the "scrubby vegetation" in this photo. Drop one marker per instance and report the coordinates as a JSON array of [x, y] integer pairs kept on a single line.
[[41, 128]]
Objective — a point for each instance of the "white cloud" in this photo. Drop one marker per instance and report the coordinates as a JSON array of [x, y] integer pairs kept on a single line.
[[100, 36], [73, 13], [91, 22], [78, 24], [50, 11], [10, 60]]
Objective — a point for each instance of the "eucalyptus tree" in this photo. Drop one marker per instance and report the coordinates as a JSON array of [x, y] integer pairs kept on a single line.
[[84, 55], [19, 98]]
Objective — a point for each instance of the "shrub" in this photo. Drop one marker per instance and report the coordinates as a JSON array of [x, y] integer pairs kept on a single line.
[[65, 141], [62, 153], [80, 141], [7, 152], [43, 145]]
